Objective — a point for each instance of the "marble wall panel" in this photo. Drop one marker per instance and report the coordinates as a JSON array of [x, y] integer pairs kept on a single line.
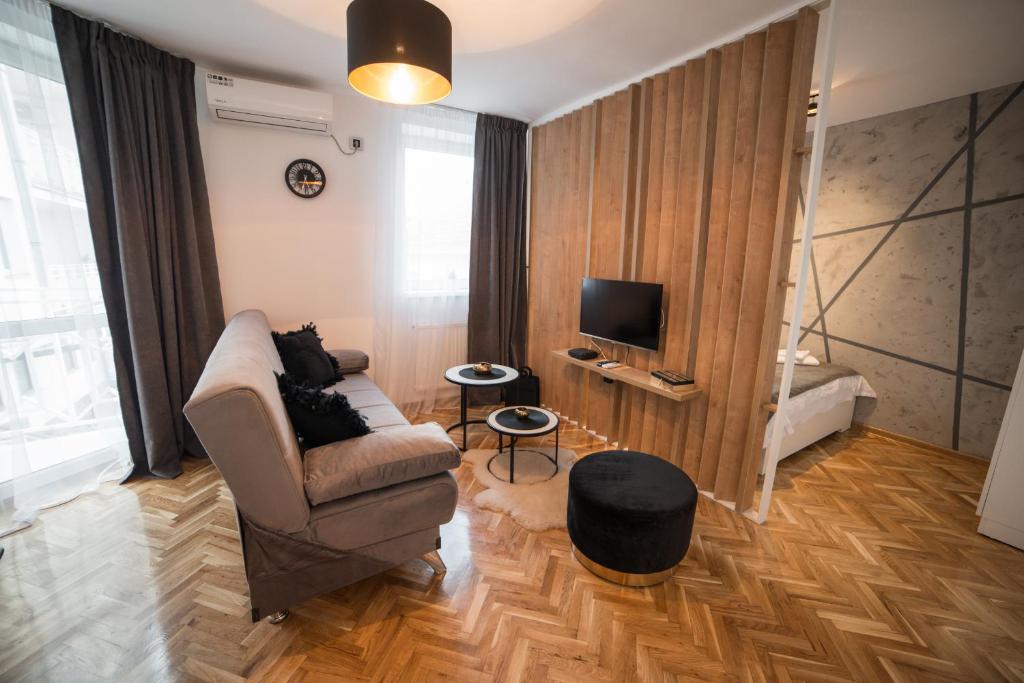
[[906, 298], [889, 159], [912, 400], [999, 157], [995, 292], [981, 413]]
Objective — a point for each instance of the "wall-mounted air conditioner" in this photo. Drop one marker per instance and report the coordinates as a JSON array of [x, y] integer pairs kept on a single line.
[[240, 100]]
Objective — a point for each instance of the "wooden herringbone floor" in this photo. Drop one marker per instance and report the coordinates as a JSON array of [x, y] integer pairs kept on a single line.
[[868, 569]]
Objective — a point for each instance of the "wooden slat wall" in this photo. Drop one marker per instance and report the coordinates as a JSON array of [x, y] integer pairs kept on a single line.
[[559, 205], [686, 179]]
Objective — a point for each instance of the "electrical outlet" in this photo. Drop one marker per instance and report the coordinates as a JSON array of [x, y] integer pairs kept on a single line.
[[356, 144]]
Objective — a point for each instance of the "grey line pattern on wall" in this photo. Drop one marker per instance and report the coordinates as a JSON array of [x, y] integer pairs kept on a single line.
[[933, 270]]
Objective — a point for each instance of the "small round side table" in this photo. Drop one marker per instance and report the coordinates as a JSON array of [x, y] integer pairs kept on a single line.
[[465, 377], [505, 422]]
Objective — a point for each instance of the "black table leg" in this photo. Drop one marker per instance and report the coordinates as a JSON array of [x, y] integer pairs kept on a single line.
[[462, 413], [512, 460], [464, 422], [556, 449]]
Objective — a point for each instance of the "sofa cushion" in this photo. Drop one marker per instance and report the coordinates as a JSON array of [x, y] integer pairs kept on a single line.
[[317, 416], [303, 356], [371, 402], [349, 361], [377, 460], [366, 518]]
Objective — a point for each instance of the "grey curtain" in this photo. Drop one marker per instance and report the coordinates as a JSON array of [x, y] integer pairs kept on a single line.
[[497, 261], [134, 113]]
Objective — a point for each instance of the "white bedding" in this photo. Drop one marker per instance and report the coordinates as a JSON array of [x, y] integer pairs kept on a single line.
[[802, 408]]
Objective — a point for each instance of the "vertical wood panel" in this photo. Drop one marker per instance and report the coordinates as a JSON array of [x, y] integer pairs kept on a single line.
[[656, 412], [631, 399], [681, 179], [562, 209], [559, 195], [748, 100], [705, 144], [801, 68], [718, 220], [768, 162], [608, 213]]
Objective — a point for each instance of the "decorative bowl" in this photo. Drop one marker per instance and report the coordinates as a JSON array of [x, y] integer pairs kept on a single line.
[[482, 368], [522, 412]]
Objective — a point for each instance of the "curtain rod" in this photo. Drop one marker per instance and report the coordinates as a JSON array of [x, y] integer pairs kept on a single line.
[[106, 24], [448, 106]]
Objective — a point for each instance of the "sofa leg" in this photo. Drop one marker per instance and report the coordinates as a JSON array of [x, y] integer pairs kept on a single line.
[[433, 558], [278, 617]]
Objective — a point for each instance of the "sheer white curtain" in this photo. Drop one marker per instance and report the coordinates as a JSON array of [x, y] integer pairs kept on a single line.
[[422, 262], [60, 423]]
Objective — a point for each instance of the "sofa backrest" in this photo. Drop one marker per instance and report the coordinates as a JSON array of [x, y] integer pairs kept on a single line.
[[237, 412]]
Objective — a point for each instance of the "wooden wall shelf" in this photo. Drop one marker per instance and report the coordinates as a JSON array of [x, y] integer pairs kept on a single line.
[[633, 377]]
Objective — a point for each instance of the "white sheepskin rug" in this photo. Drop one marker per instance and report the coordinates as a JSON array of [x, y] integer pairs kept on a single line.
[[534, 501]]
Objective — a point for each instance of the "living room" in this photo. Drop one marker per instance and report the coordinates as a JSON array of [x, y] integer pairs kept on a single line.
[[408, 340]]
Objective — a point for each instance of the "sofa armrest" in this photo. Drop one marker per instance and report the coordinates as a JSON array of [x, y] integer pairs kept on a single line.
[[377, 460], [350, 360]]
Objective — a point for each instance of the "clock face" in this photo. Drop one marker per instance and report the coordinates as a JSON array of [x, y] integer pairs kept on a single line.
[[305, 178]]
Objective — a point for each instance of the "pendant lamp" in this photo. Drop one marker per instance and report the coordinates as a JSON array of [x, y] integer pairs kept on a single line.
[[399, 51]]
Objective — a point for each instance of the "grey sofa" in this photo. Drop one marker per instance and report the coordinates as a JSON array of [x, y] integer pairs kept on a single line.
[[378, 500]]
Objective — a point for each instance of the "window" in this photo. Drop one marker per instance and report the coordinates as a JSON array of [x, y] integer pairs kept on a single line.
[[437, 202], [21, 379], [421, 272], [60, 422], [71, 358]]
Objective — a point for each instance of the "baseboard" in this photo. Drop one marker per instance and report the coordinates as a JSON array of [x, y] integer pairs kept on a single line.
[[861, 428]]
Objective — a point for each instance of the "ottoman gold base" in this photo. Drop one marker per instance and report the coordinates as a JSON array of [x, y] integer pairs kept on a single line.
[[622, 578]]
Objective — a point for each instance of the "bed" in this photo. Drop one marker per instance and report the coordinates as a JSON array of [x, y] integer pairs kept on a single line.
[[821, 402]]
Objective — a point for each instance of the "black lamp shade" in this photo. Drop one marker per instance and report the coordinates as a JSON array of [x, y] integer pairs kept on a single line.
[[399, 50]]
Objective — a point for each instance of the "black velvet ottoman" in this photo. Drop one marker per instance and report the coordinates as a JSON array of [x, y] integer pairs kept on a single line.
[[630, 516]]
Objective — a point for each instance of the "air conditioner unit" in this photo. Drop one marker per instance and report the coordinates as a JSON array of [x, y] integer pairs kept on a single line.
[[240, 100]]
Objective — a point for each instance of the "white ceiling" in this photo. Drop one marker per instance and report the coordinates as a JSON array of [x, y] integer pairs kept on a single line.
[[529, 59], [896, 54]]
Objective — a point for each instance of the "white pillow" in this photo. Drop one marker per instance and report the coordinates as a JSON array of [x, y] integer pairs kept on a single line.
[[803, 357]]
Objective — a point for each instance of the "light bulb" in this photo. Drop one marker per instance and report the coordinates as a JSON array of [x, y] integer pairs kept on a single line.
[[400, 86]]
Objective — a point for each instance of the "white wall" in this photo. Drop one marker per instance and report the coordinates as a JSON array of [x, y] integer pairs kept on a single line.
[[296, 259]]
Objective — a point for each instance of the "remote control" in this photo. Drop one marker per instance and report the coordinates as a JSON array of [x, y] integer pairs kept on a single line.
[[671, 377], [609, 364]]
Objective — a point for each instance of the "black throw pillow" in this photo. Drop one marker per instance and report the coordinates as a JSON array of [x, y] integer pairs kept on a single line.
[[303, 356], [319, 417]]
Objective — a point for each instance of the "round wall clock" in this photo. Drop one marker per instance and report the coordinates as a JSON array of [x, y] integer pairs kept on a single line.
[[305, 178]]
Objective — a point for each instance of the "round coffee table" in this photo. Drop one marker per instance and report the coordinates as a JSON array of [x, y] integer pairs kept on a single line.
[[465, 377], [505, 422]]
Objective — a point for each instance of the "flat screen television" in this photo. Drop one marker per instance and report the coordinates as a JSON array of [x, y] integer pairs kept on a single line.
[[623, 312]]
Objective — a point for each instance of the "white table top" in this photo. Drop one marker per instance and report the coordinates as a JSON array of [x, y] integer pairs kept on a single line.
[[493, 423], [452, 375]]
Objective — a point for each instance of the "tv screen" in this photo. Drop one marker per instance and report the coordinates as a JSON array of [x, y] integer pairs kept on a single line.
[[623, 312]]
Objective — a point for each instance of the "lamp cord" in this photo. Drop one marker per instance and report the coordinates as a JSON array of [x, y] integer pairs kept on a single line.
[[597, 346]]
